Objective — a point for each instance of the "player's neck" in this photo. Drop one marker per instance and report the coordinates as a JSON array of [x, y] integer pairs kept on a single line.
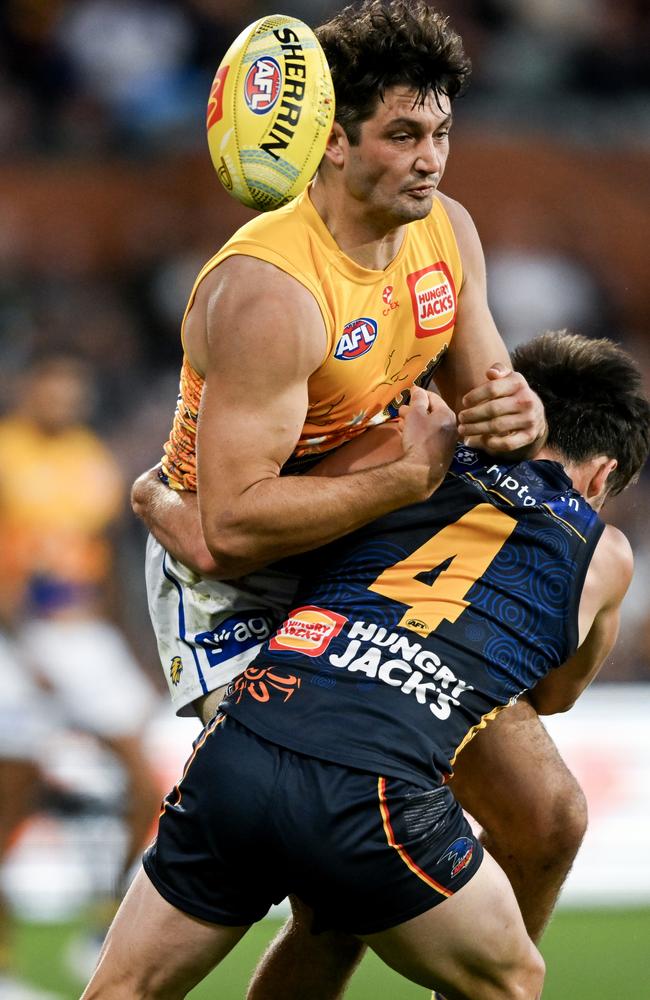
[[358, 234]]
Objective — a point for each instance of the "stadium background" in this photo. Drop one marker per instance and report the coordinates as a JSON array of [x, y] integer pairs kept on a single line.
[[109, 205]]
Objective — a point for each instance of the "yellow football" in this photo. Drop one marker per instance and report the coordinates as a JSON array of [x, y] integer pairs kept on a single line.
[[270, 112]]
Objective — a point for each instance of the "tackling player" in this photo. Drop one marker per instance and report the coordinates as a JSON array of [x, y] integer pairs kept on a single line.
[[299, 335], [326, 776]]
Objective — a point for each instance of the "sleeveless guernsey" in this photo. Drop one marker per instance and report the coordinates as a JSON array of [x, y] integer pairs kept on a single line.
[[384, 329], [409, 635]]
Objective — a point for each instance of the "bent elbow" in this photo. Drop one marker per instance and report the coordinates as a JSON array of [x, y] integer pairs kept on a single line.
[[231, 556], [552, 706], [137, 499], [204, 563], [143, 490]]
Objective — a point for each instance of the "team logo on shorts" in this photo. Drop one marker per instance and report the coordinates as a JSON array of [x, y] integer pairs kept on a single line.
[[175, 670], [262, 85], [308, 630], [433, 297], [459, 854], [358, 337]]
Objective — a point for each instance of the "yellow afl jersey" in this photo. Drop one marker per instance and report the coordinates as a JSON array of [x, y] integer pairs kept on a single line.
[[384, 328], [59, 495]]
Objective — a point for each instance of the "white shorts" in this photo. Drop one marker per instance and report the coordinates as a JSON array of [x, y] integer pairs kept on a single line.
[[95, 679], [25, 720], [208, 631]]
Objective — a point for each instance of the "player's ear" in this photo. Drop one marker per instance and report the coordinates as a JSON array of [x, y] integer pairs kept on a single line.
[[601, 467], [337, 146]]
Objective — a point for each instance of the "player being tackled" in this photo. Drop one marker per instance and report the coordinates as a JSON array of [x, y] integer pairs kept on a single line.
[[339, 779]]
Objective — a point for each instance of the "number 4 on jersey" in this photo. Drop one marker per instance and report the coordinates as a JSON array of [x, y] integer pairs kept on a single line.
[[469, 545]]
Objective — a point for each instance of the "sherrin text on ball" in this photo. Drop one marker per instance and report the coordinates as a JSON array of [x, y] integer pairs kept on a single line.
[[270, 112]]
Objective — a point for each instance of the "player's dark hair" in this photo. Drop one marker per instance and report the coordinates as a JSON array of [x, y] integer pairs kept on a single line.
[[386, 43], [594, 400]]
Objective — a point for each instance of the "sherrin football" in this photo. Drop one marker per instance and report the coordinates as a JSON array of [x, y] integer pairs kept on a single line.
[[270, 112]]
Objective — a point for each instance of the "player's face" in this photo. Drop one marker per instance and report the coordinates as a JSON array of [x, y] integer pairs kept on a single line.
[[401, 156]]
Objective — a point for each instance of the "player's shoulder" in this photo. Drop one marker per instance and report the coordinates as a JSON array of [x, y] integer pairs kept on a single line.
[[612, 563], [269, 253], [458, 215], [244, 282], [463, 226], [273, 227]]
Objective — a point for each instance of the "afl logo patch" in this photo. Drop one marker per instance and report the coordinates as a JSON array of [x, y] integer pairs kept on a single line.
[[263, 85], [433, 296], [358, 337]]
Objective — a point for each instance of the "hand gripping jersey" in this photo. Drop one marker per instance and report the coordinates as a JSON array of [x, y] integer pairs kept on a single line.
[[384, 328], [409, 635]]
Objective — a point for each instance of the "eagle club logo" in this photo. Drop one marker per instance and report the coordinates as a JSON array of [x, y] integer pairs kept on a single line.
[[459, 854], [358, 337], [433, 296], [308, 630], [175, 670], [263, 84]]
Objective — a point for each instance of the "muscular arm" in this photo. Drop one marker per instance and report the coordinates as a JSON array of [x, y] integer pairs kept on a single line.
[[265, 336], [607, 581], [173, 517], [497, 411]]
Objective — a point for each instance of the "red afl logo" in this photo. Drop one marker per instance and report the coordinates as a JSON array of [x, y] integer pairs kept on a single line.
[[263, 85], [358, 337], [387, 294]]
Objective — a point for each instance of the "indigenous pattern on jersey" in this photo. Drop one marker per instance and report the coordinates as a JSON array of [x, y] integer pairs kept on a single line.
[[384, 329], [410, 634]]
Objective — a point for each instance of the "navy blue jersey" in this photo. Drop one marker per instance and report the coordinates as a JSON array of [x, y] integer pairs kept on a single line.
[[410, 633]]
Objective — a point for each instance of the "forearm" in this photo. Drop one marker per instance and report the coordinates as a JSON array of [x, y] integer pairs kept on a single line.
[[267, 517], [561, 688], [280, 517], [549, 701]]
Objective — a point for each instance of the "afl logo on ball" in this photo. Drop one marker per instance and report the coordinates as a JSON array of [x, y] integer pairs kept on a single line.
[[263, 84], [358, 337]]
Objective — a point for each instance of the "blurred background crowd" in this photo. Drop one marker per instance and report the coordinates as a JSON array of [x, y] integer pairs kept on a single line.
[[109, 206]]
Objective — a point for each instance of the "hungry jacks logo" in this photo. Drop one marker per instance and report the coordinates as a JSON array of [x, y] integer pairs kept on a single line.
[[434, 300]]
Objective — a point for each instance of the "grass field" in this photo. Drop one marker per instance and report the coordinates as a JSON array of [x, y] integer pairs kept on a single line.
[[591, 955]]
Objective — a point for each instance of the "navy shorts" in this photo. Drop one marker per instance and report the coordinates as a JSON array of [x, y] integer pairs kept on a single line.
[[251, 822]]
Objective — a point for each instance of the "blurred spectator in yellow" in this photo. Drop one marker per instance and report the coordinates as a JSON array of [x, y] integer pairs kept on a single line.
[[60, 492]]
